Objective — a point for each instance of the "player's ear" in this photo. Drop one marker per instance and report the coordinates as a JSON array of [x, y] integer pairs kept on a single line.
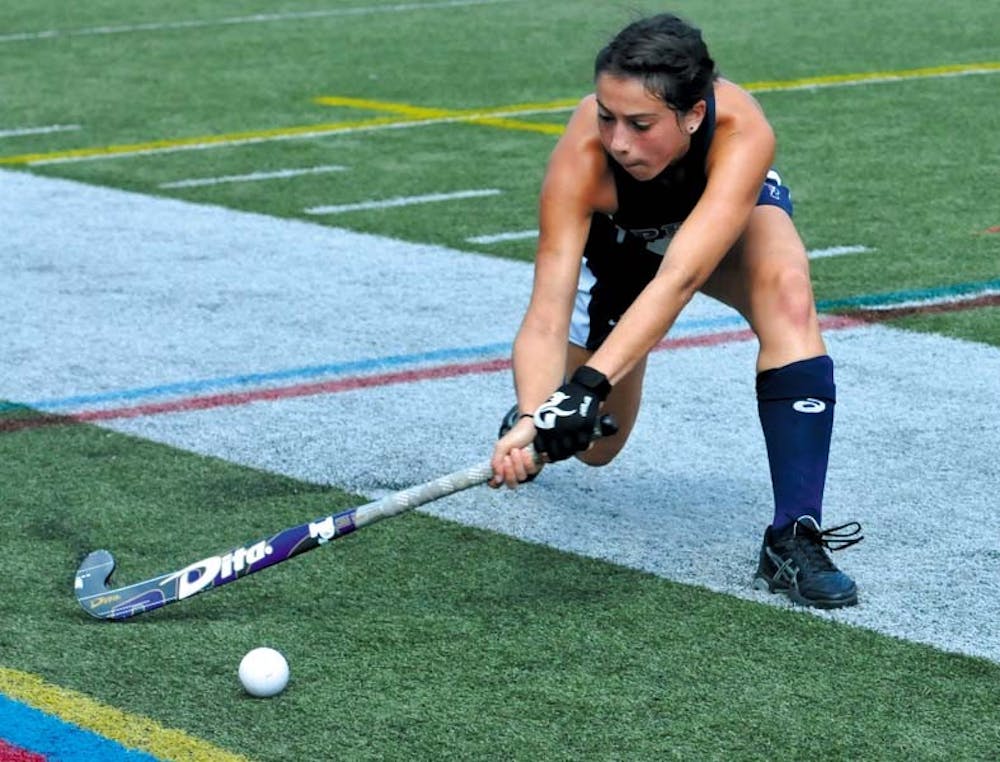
[[694, 116]]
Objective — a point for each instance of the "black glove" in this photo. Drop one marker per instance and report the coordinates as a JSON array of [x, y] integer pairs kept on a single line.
[[567, 421]]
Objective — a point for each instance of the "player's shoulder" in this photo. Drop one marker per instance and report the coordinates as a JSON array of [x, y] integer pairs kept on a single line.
[[580, 142], [578, 167], [583, 121], [735, 104], [743, 137]]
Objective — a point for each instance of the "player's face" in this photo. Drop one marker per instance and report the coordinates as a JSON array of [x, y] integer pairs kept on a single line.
[[638, 129]]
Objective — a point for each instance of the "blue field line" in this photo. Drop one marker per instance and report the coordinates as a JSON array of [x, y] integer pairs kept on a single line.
[[312, 371], [252, 379], [912, 295], [682, 327], [41, 733]]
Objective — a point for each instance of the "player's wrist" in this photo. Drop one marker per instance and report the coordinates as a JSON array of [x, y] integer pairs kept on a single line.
[[593, 381]]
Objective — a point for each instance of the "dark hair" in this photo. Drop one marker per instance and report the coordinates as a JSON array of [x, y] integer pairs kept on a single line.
[[667, 54]]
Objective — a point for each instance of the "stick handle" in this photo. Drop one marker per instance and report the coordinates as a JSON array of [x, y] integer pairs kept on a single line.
[[404, 500], [409, 498]]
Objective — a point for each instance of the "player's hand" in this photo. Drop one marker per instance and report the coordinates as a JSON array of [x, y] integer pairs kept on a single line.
[[512, 464], [566, 423]]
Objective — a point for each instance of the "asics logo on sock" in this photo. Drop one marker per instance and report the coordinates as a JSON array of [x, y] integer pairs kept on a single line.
[[809, 405]]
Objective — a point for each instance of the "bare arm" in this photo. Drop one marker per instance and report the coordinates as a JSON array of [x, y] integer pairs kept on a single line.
[[571, 185], [741, 154], [571, 182]]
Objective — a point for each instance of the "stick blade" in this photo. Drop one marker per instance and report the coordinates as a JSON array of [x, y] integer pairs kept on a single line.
[[91, 586]]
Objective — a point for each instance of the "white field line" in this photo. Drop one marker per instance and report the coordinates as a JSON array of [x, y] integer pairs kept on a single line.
[[836, 251], [257, 18], [252, 177], [401, 201], [951, 299], [17, 131], [518, 235]]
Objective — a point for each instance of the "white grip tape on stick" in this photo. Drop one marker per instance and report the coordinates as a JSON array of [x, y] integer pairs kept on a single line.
[[411, 497]]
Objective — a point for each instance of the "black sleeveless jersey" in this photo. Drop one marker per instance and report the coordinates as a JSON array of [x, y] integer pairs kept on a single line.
[[646, 206], [624, 250]]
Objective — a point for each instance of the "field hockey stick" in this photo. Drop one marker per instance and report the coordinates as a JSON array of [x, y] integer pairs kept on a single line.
[[103, 602]]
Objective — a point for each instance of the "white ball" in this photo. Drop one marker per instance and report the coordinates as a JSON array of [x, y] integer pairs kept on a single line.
[[264, 672]]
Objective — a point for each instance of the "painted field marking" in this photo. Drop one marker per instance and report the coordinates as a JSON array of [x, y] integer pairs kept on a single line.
[[19, 131], [495, 118], [387, 203], [514, 235], [869, 308], [10, 753], [129, 730], [399, 368], [421, 114], [251, 137], [850, 319], [873, 78], [257, 18], [201, 182], [927, 306], [353, 383], [520, 235], [837, 251], [853, 318], [32, 735]]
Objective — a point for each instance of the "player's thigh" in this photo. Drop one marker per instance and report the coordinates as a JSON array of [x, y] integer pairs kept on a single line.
[[622, 403], [767, 265], [766, 278]]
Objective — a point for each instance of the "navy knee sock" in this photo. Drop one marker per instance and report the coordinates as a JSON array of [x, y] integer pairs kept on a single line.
[[795, 403]]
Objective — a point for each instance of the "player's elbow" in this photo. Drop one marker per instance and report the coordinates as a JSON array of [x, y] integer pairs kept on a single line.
[[680, 283]]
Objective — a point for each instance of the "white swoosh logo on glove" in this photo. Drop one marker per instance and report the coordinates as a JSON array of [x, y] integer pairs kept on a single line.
[[546, 415]]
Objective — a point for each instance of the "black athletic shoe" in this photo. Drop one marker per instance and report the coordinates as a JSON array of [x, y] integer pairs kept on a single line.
[[794, 561]]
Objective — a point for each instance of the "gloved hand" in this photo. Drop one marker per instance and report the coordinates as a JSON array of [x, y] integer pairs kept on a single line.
[[566, 423]]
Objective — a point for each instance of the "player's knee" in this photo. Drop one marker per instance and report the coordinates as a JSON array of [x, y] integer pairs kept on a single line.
[[790, 296], [601, 453]]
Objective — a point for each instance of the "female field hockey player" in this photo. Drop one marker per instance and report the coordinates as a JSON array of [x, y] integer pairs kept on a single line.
[[662, 185]]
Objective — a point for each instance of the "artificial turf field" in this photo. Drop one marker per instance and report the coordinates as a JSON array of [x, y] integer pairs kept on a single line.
[[423, 638]]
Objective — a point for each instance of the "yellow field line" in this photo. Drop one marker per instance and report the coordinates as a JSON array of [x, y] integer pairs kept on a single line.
[[496, 118], [192, 143], [288, 133], [405, 115], [865, 78], [129, 730]]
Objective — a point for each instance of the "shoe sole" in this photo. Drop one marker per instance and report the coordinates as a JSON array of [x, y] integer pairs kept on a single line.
[[764, 584]]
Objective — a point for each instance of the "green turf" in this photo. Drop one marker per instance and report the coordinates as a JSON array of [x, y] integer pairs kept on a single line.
[[975, 325], [421, 639], [902, 168]]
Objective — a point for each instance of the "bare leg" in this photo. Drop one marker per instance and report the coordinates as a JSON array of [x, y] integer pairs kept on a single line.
[[766, 278]]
